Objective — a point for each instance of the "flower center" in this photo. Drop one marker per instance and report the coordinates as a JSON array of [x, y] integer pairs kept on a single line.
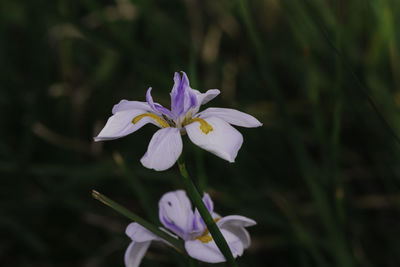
[[205, 237], [154, 117]]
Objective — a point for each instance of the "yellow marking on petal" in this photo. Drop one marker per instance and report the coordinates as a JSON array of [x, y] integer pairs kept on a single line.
[[204, 126], [156, 118], [205, 237]]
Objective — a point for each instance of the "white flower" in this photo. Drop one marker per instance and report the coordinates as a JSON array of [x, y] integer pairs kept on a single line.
[[210, 129], [176, 214]]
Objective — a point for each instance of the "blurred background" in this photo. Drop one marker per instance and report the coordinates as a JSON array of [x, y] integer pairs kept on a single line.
[[321, 177]]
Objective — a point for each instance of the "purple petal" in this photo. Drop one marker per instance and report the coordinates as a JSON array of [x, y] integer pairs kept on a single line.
[[157, 108], [198, 221], [183, 97]]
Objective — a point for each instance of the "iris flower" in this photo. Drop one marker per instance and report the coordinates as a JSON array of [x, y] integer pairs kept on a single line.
[[210, 129], [176, 214]]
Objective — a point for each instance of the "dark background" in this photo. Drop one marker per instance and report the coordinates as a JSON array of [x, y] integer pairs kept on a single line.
[[321, 177]]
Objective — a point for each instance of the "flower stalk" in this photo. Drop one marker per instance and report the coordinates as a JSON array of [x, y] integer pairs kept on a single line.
[[196, 199], [176, 243]]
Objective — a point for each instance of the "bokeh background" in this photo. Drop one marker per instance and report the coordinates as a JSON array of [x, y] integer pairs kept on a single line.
[[321, 177]]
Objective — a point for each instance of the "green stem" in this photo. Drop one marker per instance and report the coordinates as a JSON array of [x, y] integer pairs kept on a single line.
[[176, 243], [209, 221]]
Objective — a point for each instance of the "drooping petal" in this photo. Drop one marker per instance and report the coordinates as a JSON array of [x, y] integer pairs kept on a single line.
[[235, 224], [157, 108], [135, 253], [209, 252], [124, 105], [231, 116], [141, 239], [183, 97], [203, 98], [164, 149], [241, 233], [236, 220], [139, 234], [120, 124], [223, 140], [176, 214]]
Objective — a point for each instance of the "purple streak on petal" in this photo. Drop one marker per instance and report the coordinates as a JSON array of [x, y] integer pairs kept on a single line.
[[182, 96], [157, 108], [208, 202], [177, 95], [170, 225], [192, 101], [210, 207]]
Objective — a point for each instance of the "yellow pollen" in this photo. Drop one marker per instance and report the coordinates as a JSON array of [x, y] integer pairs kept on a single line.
[[205, 237], [156, 118], [204, 126]]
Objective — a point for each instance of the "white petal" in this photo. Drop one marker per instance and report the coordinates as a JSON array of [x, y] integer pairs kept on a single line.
[[120, 124], [235, 224], [231, 116], [223, 141], [241, 233], [164, 149], [175, 213], [135, 253], [236, 220], [127, 105], [139, 234], [204, 98], [209, 252]]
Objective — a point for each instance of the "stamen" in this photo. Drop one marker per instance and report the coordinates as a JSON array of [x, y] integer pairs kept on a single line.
[[156, 118], [204, 126]]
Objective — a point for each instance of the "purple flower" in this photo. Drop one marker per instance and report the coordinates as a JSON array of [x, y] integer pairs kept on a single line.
[[210, 129], [176, 214]]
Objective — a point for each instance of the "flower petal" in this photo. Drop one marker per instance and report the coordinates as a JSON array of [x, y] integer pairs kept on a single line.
[[139, 234], [141, 239], [236, 220], [164, 149], [135, 253], [203, 98], [198, 221], [241, 233], [175, 213], [157, 108], [124, 105], [120, 124], [235, 224], [231, 116], [223, 141], [209, 252], [183, 97]]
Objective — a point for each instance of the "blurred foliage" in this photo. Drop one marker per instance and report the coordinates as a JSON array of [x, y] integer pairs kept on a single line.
[[321, 177]]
